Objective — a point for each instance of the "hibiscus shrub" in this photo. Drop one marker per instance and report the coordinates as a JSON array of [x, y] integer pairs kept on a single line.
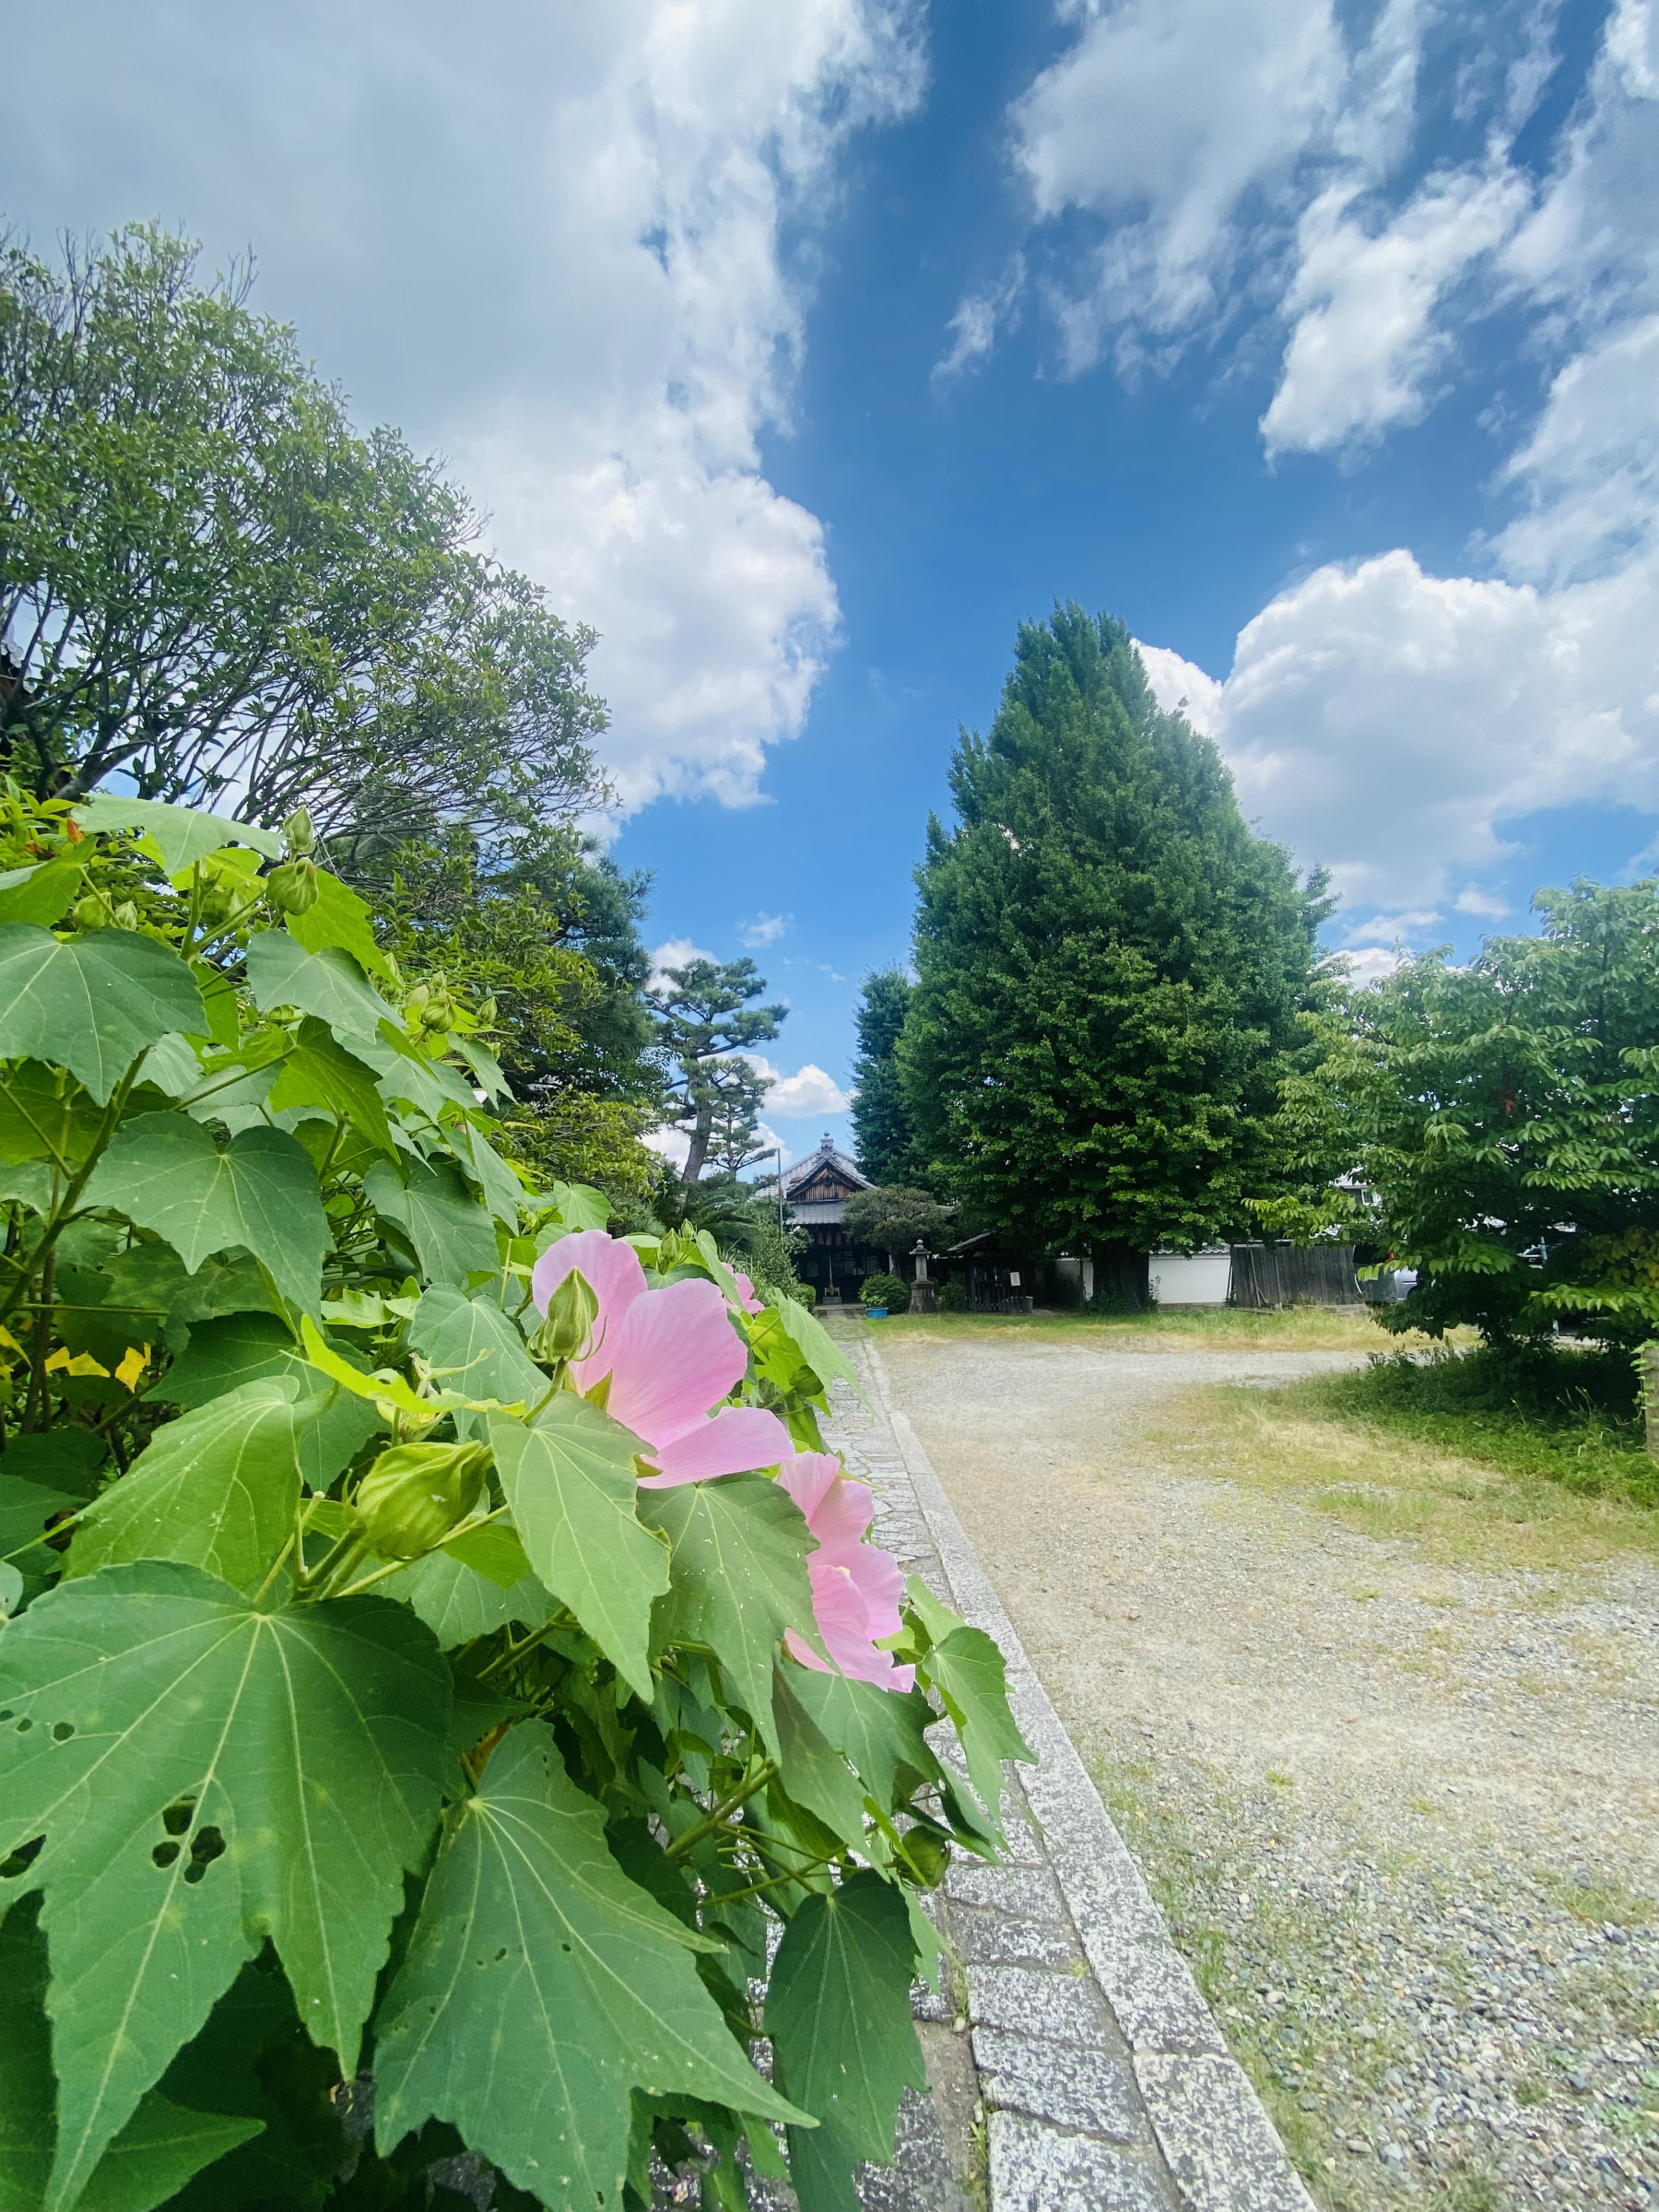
[[450, 1711]]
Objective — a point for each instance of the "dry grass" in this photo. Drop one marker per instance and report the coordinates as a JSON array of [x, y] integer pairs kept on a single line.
[[1459, 1509], [1176, 1329]]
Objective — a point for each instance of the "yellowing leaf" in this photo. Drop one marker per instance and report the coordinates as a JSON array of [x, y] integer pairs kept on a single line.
[[131, 1365], [82, 1364]]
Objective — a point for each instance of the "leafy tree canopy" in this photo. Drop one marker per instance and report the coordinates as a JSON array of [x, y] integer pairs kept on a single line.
[[884, 1131], [891, 1216], [1504, 1120], [212, 584], [1111, 965], [704, 1023]]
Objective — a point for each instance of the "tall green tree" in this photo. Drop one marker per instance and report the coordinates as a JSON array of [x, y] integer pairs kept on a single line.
[[210, 584], [704, 1018], [1504, 1119], [883, 1128], [1111, 965]]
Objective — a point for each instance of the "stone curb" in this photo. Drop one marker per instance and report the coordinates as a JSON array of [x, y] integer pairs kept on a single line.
[[1064, 2128]]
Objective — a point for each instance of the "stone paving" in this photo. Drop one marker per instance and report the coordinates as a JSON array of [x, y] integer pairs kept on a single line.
[[1073, 2065]]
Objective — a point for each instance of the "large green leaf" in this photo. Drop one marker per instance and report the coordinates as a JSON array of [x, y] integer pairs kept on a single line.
[[328, 983], [165, 1172], [459, 1604], [880, 1731], [154, 1713], [813, 1771], [340, 918], [25, 1509], [542, 1988], [318, 1072], [738, 1577], [503, 1192], [217, 1488], [452, 1235], [93, 1003], [572, 1483], [813, 1341], [839, 2015], [475, 1349], [155, 2154], [45, 1114], [182, 835], [968, 1670], [40, 894], [226, 1354]]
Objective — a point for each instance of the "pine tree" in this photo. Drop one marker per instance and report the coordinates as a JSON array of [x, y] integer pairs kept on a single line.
[[1111, 966], [883, 1130], [705, 1023]]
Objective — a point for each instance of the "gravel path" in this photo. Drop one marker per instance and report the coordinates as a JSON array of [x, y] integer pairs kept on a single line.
[[1403, 1819]]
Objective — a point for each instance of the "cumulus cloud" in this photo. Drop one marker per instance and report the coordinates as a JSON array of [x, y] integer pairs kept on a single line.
[[1178, 683], [565, 248], [674, 952], [805, 1096]]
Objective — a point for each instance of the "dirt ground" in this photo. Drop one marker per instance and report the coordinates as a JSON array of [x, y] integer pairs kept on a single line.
[[1404, 1816]]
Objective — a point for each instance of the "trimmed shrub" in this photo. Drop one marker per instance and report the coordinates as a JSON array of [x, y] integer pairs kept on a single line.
[[886, 1291], [953, 1296]]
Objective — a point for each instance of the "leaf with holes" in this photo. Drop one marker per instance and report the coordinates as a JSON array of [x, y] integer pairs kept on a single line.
[[837, 2012], [542, 1987], [92, 1004], [738, 1578], [217, 1488], [572, 1483], [164, 1172], [205, 1775]]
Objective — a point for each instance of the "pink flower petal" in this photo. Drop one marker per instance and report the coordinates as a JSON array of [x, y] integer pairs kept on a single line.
[[676, 1355], [737, 1439], [844, 1621], [875, 1576], [751, 1304], [838, 1509]]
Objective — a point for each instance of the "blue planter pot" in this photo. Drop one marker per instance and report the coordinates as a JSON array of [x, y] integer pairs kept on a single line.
[[876, 1312]]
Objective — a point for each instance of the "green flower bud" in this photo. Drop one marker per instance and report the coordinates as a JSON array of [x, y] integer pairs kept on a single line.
[[297, 834], [126, 916], [293, 887], [571, 1312], [415, 1494], [90, 913], [928, 1854]]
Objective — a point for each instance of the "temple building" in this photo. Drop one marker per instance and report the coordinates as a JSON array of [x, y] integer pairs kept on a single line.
[[817, 1190]]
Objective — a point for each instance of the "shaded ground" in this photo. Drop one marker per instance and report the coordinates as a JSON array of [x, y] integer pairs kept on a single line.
[[1401, 1801]]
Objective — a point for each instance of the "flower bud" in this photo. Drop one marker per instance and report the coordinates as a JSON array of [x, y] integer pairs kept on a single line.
[[929, 1855], [293, 887], [126, 916], [415, 1494], [297, 834], [90, 913], [571, 1312]]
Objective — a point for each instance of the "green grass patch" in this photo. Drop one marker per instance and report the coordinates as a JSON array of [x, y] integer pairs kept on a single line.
[[1168, 1329], [1568, 1417]]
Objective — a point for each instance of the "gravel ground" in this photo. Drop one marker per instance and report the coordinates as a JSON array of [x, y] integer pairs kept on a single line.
[[1405, 1820]]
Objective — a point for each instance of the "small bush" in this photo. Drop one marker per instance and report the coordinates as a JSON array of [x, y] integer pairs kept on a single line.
[[886, 1291], [953, 1296], [804, 1295]]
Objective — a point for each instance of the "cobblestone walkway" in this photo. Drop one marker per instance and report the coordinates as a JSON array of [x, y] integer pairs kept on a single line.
[[1073, 2065]]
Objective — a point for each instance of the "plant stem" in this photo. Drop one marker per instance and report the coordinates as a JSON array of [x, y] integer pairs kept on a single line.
[[722, 1812], [276, 1566]]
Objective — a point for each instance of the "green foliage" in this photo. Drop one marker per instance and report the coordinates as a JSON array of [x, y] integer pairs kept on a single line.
[[892, 1215], [885, 1134], [1111, 965], [952, 1296], [361, 1714], [1505, 1117], [889, 1290], [211, 582], [705, 1022]]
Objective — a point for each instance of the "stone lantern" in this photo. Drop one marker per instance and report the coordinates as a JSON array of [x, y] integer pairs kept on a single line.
[[923, 1298]]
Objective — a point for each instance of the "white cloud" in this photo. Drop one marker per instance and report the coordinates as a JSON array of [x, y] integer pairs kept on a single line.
[[674, 952], [673, 1144], [804, 1096], [763, 930], [1365, 343], [1472, 900], [1178, 683], [1590, 471], [981, 317], [1389, 724], [566, 247], [1369, 963]]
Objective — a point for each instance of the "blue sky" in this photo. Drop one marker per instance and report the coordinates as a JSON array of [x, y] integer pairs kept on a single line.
[[806, 351]]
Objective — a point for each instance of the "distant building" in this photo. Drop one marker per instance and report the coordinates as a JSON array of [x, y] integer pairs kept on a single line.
[[817, 1190]]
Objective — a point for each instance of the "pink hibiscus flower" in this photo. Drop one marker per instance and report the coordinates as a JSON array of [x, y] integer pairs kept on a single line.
[[671, 1355], [856, 1586], [745, 1291]]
